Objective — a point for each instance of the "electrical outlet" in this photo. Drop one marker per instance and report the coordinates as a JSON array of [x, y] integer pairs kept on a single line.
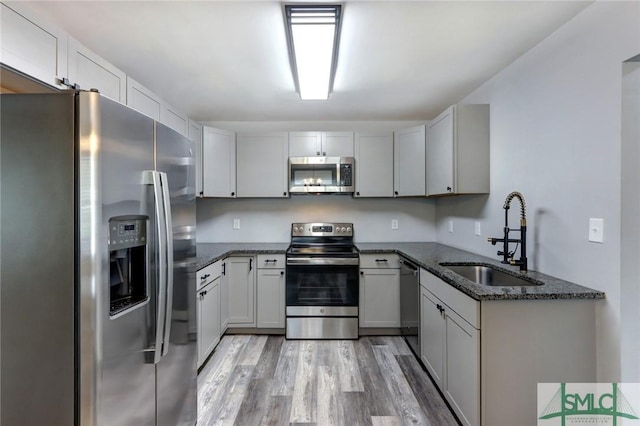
[[478, 230], [394, 223], [596, 230], [450, 226], [236, 223]]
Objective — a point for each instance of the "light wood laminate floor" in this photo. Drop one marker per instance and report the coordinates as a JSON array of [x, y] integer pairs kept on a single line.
[[268, 380]]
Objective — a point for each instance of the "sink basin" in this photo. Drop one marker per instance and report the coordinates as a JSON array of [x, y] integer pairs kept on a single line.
[[488, 275]]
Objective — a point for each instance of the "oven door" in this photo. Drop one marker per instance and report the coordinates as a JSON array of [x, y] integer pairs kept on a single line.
[[321, 282]]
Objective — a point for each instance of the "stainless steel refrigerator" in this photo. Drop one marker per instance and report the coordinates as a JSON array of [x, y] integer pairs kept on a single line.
[[97, 264]]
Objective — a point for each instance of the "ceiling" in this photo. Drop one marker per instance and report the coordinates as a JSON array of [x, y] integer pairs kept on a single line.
[[228, 61]]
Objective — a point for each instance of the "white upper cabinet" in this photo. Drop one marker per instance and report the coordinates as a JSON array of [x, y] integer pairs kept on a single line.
[[218, 163], [91, 71], [195, 134], [174, 119], [458, 151], [262, 164], [142, 99], [324, 144], [374, 164], [31, 45], [409, 162]]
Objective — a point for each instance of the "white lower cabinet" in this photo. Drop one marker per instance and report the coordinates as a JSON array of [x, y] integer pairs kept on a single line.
[[379, 290], [208, 311], [240, 273], [208, 307], [450, 345], [270, 291]]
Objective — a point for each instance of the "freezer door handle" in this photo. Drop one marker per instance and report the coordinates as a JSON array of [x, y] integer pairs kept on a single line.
[[153, 178], [169, 262]]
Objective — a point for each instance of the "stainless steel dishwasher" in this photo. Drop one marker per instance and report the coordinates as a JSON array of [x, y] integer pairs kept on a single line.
[[410, 304]]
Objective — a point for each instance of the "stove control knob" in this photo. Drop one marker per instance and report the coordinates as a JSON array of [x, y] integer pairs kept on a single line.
[[348, 229], [344, 229], [295, 229], [337, 229]]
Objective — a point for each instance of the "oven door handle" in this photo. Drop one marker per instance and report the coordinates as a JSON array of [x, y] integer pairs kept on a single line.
[[325, 261]]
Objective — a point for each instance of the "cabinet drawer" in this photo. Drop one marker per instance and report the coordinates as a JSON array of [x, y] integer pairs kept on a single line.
[[209, 273], [459, 302], [380, 261], [271, 261]]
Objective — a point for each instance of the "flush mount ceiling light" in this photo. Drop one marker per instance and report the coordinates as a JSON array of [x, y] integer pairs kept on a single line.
[[313, 33]]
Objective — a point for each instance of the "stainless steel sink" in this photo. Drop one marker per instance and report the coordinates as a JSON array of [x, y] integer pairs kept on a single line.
[[488, 275]]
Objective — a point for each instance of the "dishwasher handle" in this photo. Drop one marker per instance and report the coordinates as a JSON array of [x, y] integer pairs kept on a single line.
[[409, 265]]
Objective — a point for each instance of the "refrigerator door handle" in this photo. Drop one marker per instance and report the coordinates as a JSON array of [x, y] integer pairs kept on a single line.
[[152, 177], [169, 262]]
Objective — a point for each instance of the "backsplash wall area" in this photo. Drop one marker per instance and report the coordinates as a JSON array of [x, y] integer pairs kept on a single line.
[[269, 220]]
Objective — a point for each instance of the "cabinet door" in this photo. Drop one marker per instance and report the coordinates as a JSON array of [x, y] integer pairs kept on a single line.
[[142, 99], [262, 165], [208, 319], [195, 134], [440, 149], [270, 298], [337, 144], [175, 119], [305, 144], [409, 162], [380, 298], [218, 163], [91, 71], [241, 273], [374, 164], [462, 376], [31, 45], [432, 335], [224, 299]]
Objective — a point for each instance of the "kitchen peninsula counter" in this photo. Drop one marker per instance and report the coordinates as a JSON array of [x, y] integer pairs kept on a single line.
[[430, 255]]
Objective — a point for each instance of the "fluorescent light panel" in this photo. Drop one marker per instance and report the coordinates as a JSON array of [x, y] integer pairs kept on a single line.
[[313, 34]]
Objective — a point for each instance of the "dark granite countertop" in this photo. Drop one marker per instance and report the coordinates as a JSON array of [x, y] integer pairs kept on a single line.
[[207, 253], [430, 255]]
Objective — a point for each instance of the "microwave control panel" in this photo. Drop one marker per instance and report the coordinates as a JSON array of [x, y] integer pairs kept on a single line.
[[346, 174]]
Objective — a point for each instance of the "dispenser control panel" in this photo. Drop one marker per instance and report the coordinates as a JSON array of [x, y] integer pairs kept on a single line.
[[127, 231]]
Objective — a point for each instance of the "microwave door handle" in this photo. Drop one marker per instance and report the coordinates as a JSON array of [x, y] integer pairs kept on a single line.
[[168, 307], [153, 178]]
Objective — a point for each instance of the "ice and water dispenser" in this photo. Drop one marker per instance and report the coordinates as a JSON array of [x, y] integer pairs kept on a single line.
[[128, 263]]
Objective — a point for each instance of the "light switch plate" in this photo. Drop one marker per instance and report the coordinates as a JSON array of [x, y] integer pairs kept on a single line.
[[394, 223], [477, 228], [236, 223], [596, 230], [450, 226]]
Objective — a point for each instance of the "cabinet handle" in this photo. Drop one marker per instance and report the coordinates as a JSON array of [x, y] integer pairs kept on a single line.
[[281, 272], [202, 193], [381, 260], [270, 260], [251, 264], [361, 272], [284, 194], [395, 192], [449, 189], [358, 193], [203, 293], [224, 268], [205, 276], [233, 194]]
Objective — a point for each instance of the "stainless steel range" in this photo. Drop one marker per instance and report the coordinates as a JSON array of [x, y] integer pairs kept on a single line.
[[322, 282]]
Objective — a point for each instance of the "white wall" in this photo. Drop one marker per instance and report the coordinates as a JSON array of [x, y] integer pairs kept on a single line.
[[630, 226], [555, 137], [269, 220]]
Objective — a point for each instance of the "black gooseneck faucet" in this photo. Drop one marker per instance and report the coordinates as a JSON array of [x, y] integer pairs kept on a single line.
[[507, 256]]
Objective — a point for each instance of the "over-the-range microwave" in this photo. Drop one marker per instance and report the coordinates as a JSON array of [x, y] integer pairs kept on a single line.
[[314, 175]]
